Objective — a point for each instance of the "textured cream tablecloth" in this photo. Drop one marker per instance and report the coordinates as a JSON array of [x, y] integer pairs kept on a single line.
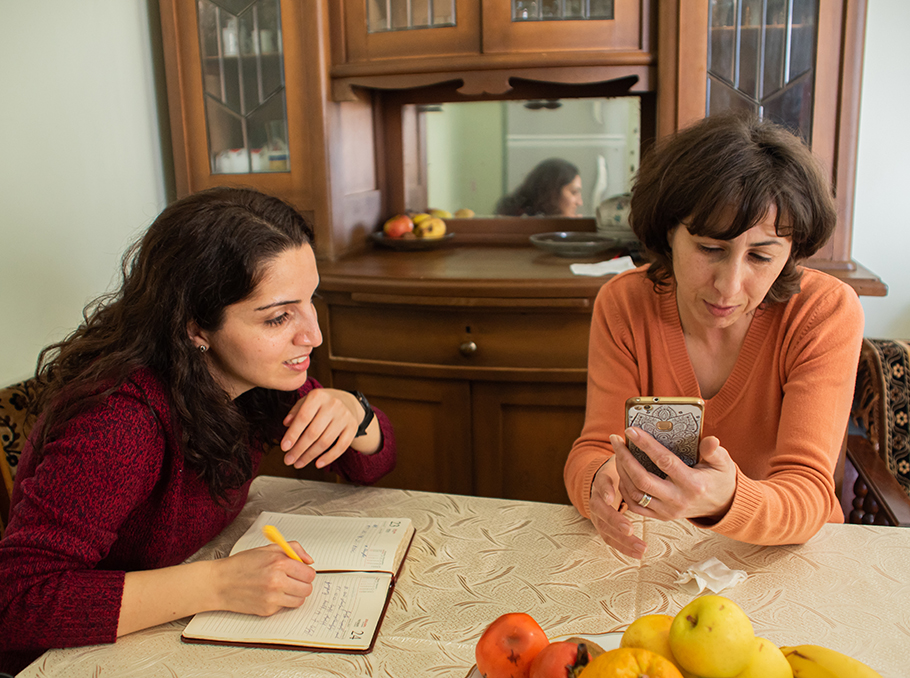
[[474, 559]]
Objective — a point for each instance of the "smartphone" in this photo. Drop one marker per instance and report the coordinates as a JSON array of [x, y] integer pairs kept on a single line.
[[675, 422]]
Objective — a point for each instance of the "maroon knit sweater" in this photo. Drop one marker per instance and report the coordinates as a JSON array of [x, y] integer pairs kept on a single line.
[[112, 495]]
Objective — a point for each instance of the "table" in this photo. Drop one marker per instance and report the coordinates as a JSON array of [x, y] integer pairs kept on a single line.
[[476, 558]]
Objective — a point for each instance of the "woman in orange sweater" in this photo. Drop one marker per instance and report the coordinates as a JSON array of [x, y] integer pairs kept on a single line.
[[726, 209]]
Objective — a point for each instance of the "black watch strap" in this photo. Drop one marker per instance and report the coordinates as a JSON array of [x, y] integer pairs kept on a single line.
[[367, 413]]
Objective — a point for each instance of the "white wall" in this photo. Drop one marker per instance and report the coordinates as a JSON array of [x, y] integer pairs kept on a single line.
[[82, 172], [881, 227], [81, 168]]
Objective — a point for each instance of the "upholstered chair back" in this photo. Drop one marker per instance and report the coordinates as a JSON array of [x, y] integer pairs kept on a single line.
[[881, 403], [15, 425]]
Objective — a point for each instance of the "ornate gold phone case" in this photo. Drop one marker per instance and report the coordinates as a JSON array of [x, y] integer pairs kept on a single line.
[[675, 422]]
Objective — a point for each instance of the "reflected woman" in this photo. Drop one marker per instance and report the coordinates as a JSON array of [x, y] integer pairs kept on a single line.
[[552, 188]]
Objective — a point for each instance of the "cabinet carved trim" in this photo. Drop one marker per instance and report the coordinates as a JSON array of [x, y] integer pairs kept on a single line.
[[489, 78]]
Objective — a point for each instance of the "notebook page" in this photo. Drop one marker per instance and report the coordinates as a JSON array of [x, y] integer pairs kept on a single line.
[[342, 612], [334, 542]]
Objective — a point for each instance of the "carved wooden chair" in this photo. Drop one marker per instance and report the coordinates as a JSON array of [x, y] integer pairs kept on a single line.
[[877, 478], [15, 424]]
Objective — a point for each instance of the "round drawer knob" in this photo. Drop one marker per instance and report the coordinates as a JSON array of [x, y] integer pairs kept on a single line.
[[467, 349]]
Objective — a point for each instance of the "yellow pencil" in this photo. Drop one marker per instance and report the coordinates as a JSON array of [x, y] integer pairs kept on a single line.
[[273, 535]]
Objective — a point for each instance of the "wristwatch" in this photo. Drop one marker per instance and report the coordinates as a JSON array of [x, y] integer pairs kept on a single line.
[[367, 413]]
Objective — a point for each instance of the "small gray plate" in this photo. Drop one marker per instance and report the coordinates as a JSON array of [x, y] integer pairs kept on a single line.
[[573, 243]]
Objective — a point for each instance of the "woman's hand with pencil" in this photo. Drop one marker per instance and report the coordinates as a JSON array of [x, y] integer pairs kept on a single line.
[[273, 535], [264, 580]]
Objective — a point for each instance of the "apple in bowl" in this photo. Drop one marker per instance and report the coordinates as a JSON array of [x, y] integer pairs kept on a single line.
[[712, 637], [398, 226]]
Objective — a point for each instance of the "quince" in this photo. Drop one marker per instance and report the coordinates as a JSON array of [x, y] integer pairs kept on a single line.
[[712, 637]]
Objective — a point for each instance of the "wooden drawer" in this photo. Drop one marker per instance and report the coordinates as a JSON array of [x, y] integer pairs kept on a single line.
[[488, 338]]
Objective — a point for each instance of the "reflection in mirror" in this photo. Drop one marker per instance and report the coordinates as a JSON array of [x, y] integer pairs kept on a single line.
[[479, 152]]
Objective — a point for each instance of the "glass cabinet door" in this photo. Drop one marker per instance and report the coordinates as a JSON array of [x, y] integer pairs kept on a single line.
[[761, 58], [240, 44], [388, 29], [402, 15], [555, 10], [565, 25]]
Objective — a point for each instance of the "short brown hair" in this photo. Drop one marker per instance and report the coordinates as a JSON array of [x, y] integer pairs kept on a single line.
[[732, 163]]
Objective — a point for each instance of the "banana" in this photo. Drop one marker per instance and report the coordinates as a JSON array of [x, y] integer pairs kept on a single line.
[[813, 661]]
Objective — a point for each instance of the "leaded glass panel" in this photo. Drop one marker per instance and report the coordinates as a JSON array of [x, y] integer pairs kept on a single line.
[[243, 80], [761, 56], [402, 15]]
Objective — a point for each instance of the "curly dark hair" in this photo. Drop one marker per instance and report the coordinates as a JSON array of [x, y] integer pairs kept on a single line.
[[539, 193], [202, 254], [732, 164]]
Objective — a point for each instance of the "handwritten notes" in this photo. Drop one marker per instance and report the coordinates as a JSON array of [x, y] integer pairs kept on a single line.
[[357, 561]]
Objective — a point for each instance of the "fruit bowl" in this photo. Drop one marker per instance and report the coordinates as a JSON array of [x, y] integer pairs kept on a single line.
[[410, 243], [608, 641], [573, 243]]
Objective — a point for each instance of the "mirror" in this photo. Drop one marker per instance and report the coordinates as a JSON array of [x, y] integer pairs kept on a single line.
[[479, 152]]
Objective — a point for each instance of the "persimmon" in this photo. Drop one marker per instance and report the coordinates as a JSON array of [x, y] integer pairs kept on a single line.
[[509, 645], [563, 658], [631, 662]]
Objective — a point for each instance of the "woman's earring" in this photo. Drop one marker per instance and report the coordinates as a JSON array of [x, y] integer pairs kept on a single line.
[[203, 348]]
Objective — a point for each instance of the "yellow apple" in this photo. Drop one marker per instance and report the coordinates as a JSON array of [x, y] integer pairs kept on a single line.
[[652, 632], [712, 637], [464, 213], [768, 662], [430, 228]]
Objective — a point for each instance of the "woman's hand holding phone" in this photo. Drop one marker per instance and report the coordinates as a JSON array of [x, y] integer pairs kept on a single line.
[[614, 527], [703, 491]]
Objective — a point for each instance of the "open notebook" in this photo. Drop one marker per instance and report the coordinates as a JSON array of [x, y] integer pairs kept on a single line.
[[357, 562]]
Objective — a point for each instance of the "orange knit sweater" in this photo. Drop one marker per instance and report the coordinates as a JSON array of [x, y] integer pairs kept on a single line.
[[781, 414]]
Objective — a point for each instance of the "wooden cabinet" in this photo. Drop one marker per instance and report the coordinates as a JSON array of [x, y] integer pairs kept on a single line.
[[369, 30], [348, 150], [484, 43], [624, 31], [366, 30], [523, 432], [496, 419], [484, 377], [432, 420], [331, 174], [203, 61]]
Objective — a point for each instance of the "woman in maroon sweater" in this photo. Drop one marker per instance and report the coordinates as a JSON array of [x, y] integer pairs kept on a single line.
[[155, 415]]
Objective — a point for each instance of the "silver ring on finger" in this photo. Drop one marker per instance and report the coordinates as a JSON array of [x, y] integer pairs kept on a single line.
[[645, 500]]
